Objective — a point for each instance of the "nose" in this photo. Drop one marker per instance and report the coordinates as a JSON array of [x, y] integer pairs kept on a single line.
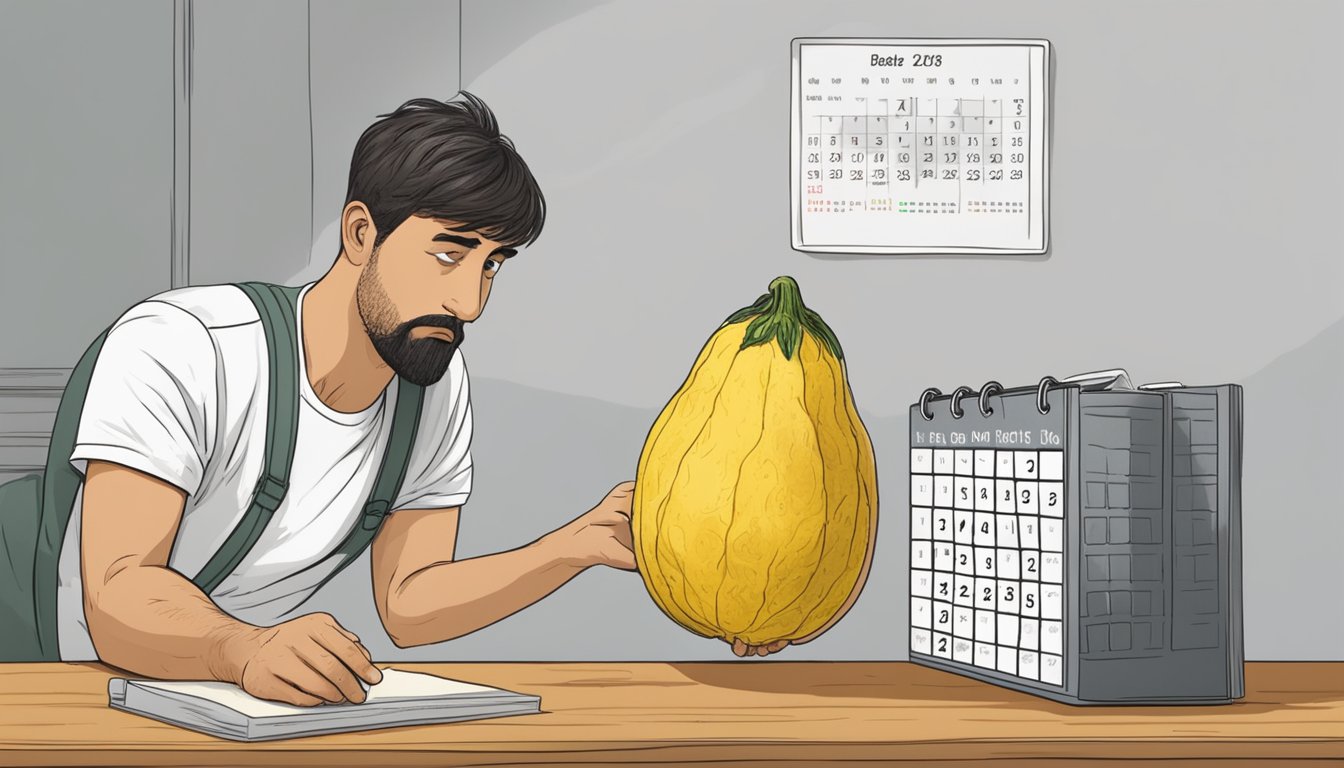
[[464, 301]]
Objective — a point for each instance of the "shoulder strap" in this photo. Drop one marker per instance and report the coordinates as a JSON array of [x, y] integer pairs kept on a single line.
[[276, 304], [60, 483], [391, 474], [277, 307]]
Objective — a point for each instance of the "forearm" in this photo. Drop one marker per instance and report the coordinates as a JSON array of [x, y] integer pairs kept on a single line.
[[152, 621], [451, 599]]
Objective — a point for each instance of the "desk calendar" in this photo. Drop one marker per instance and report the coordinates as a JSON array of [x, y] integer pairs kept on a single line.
[[920, 146], [1080, 540]]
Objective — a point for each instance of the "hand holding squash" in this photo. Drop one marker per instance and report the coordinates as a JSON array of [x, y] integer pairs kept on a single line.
[[601, 536], [742, 649]]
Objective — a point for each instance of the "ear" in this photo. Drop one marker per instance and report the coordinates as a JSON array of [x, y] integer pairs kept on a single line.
[[357, 233]]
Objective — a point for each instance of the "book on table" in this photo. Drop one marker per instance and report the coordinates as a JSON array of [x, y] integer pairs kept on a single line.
[[400, 698]]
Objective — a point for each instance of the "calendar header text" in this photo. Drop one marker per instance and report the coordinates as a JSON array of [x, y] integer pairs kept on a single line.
[[896, 60], [996, 437]]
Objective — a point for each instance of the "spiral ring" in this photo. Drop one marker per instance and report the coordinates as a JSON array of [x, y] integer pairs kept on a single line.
[[1041, 392], [924, 402], [985, 391], [959, 393]]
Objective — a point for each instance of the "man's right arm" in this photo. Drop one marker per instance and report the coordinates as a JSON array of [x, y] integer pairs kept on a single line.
[[149, 619], [142, 615], [144, 440]]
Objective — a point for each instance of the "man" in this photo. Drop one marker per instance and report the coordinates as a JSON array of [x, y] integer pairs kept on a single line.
[[172, 435]]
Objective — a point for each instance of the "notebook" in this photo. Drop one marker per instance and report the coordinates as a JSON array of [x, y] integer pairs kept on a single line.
[[401, 698]]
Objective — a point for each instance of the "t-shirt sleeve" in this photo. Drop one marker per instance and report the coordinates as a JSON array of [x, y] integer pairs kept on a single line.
[[439, 472], [151, 398]]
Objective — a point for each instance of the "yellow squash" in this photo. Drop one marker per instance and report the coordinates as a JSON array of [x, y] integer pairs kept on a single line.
[[755, 509]]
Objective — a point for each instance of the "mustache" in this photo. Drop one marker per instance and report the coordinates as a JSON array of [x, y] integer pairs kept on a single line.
[[438, 321]]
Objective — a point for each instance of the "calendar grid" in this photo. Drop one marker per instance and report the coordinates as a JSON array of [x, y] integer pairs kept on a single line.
[[877, 140], [993, 614], [867, 172]]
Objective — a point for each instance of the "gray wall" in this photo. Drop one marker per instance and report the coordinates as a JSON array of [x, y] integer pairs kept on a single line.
[[250, 163], [86, 170], [86, 192], [1193, 238], [1190, 241]]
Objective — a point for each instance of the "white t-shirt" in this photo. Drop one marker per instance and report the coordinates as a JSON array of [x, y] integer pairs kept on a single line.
[[179, 391]]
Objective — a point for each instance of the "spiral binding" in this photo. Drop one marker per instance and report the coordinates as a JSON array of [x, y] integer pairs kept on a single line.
[[985, 391], [924, 402], [959, 393], [990, 389]]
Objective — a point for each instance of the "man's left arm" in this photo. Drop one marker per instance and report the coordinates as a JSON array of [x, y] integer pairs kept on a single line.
[[425, 596]]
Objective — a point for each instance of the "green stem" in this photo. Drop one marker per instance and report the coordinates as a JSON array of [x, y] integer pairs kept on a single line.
[[781, 315]]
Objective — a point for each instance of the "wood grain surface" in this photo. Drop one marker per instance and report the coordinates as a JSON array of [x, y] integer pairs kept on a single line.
[[730, 713]]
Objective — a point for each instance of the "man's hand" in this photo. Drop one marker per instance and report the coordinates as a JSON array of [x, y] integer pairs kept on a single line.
[[742, 649], [602, 535], [307, 661]]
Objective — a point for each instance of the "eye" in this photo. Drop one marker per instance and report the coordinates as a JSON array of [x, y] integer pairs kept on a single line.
[[492, 266], [446, 259]]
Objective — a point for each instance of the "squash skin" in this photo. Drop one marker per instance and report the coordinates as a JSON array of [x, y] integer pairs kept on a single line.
[[755, 507]]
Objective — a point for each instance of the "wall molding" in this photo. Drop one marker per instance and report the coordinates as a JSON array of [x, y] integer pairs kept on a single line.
[[180, 194], [29, 398], [18, 381]]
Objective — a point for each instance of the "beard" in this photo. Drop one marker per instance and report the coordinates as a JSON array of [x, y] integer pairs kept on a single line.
[[420, 361]]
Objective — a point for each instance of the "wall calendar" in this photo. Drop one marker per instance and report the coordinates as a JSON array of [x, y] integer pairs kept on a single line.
[[920, 146]]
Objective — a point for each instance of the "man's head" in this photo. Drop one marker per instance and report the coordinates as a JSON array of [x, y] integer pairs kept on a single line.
[[438, 199]]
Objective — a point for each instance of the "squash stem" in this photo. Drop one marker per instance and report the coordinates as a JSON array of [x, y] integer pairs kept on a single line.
[[781, 316], [787, 299]]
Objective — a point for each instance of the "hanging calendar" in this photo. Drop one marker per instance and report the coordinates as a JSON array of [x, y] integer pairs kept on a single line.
[[931, 146]]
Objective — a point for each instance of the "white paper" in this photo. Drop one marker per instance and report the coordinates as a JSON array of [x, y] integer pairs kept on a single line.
[[396, 685]]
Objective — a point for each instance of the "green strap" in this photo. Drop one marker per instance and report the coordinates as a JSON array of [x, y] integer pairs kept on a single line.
[[392, 473], [276, 305], [60, 483]]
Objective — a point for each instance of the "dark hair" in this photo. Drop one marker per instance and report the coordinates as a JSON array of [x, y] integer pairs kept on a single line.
[[446, 160]]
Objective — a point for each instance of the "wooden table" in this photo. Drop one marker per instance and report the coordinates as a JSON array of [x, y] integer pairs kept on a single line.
[[736, 712]]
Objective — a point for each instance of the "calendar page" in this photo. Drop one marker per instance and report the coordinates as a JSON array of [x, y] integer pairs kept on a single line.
[[987, 534], [920, 145]]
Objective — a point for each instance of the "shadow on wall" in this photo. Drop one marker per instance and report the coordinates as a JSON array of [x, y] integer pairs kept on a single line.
[[542, 459], [1292, 516]]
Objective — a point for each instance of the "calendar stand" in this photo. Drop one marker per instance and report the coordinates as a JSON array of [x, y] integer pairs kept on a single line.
[[1080, 540]]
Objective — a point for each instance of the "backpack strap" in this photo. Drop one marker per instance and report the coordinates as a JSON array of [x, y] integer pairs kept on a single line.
[[277, 307], [391, 474], [60, 484]]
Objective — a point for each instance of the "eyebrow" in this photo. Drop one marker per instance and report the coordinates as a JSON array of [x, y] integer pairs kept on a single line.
[[471, 242]]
